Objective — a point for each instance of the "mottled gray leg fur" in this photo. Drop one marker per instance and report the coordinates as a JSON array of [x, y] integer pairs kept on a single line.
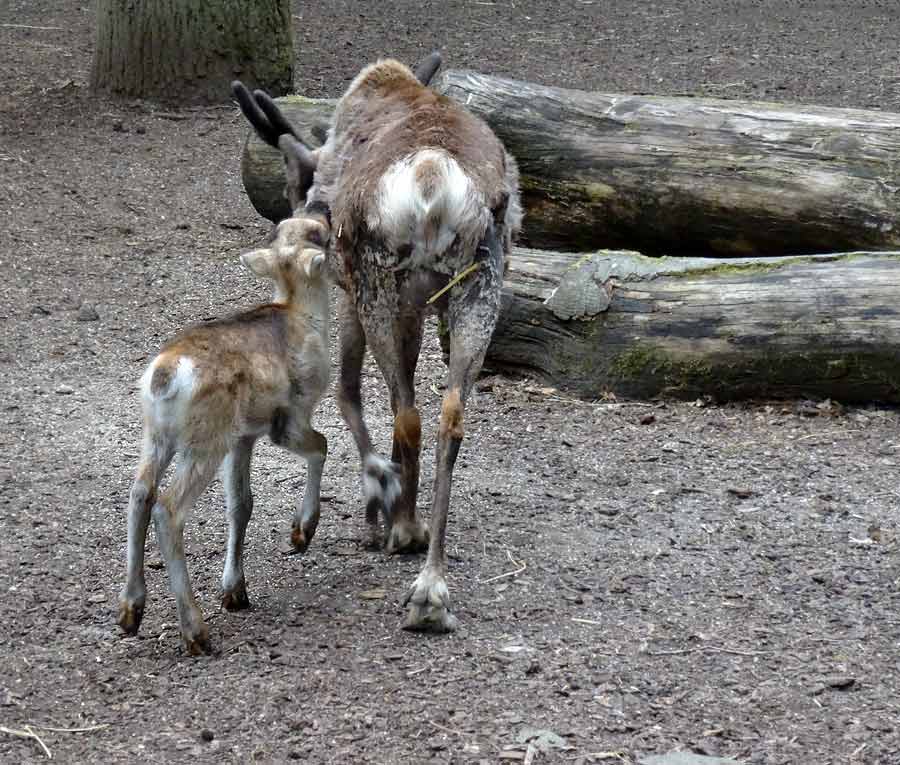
[[472, 314], [239, 503], [379, 476], [395, 341]]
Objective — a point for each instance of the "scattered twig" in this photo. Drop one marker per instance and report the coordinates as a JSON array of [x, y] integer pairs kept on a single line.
[[586, 621], [522, 566], [453, 282], [28, 732], [71, 730], [707, 649], [29, 26]]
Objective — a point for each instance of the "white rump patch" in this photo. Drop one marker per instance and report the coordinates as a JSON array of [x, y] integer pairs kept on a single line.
[[425, 216], [380, 481], [168, 406]]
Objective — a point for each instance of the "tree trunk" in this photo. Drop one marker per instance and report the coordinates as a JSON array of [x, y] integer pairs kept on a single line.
[[190, 50], [666, 175], [825, 326]]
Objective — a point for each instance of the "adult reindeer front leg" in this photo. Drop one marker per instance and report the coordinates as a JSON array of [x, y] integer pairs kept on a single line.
[[472, 314]]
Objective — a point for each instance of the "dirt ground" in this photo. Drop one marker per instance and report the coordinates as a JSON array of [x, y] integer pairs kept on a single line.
[[722, 580]]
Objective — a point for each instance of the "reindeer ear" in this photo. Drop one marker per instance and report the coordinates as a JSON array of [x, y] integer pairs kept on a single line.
[[315, 266], [260, 262], [300, 166]]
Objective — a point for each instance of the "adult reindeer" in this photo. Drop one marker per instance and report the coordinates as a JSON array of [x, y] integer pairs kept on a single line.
[[424, 201]]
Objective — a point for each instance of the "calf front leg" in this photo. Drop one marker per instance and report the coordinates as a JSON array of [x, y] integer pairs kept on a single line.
[[301, 439], [472, 314], [239, 498]]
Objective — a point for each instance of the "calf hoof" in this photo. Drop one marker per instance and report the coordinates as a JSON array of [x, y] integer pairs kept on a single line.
[[301, 538], [130, 616], [407, 536], [236, 599], [197, 643], [428, 602]]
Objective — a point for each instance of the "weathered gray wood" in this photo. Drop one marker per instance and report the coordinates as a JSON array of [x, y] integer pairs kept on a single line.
[[667, 175], [815, 326]]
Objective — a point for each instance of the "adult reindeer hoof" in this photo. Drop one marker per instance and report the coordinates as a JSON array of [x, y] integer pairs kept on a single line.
[[236, 599], [196, 643], [407, 536], [130, 616], [428, 603]]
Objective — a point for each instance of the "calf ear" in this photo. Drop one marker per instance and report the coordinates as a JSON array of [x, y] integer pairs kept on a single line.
[[260, 262], [315, 266]]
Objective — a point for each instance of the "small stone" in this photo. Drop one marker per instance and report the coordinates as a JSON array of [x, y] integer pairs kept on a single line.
[[183, 226], [207, 735], [648, 419], [118, 126], [140, 130], [840, 682], [39, 310], [87, 313], [740, 492], [533, 669], [98, 598], [65, 390]]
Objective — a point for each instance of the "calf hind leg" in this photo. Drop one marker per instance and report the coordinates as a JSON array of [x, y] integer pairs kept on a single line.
[[169, 515], [154, 460]]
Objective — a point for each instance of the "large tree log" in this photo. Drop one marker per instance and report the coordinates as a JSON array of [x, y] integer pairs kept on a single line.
[[813, 326], [668, 175]]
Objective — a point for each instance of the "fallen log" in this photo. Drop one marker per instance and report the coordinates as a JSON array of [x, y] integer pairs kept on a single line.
[[666, 175], [823, 326]]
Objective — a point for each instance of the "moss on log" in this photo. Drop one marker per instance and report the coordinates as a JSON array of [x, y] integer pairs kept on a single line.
[[820, 326]]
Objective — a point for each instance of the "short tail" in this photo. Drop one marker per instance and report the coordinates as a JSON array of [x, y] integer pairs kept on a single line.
[[166, 378], [426, 201]]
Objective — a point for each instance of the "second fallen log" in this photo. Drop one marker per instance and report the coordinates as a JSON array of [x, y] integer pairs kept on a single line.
[[819, 326]]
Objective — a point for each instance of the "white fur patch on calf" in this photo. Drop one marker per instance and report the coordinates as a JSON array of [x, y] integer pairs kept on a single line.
[[380, 480], [167, 407], [423, 202]]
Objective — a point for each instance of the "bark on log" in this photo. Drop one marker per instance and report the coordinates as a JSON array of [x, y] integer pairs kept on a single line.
[[670, 175], [189, 51], [823, 326]]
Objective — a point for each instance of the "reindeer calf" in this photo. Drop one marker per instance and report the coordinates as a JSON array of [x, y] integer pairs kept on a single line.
[[208, 395]]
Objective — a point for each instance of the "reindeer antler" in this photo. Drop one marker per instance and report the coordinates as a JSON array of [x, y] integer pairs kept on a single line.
[[427, 68]]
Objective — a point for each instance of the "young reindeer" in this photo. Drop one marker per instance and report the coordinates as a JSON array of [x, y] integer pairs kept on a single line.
[[209, 394], [425, 203]]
